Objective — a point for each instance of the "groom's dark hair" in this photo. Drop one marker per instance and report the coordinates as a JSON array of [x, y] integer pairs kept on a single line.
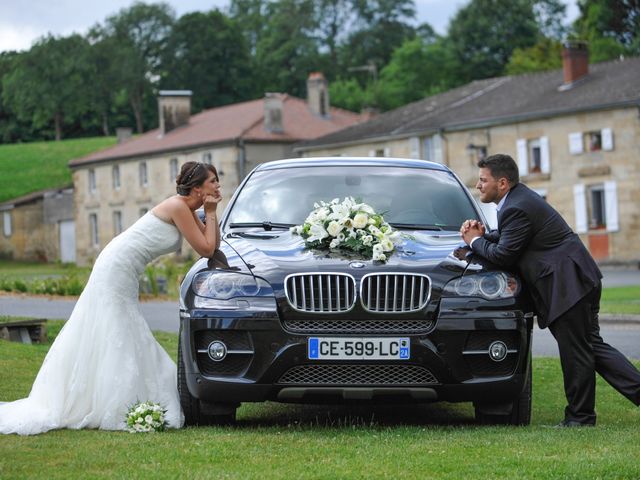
[[501, 165], [193, 174]]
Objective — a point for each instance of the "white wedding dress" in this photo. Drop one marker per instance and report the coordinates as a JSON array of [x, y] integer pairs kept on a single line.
[[105, 358]]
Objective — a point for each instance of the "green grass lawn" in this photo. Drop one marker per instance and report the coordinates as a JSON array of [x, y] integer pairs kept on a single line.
[[624, 300], [29, 167], [289, 441]]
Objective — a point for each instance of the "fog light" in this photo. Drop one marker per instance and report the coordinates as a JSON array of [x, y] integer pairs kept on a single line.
[[217, 351], [497, 351]]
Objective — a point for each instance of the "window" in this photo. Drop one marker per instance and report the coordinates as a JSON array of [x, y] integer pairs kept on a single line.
[[594, 141], [206, 158], [173, 169], [92, 181], [533, 156], [596, 207], [597, 215], [117, 223], [6, 219], [115, 176], [143, 174], [93, 226], [433, 149], [380, 152]]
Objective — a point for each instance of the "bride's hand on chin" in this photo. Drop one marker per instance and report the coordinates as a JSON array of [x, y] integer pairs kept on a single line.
[[210, 202]]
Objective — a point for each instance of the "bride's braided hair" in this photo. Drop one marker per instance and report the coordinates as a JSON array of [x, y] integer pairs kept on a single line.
[[193, 174]]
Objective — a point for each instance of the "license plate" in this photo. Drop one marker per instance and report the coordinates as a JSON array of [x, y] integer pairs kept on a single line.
[[358, 348]]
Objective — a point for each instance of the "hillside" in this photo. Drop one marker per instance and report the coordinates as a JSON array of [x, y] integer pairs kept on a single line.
[[29, 167]]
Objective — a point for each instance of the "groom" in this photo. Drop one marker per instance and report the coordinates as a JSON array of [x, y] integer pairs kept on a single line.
[[562, 278]]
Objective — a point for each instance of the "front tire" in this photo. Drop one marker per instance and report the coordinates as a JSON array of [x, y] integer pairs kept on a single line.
[[520, 412]]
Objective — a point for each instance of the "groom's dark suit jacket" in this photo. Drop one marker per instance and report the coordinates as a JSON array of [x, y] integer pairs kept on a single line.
[[554, 264]]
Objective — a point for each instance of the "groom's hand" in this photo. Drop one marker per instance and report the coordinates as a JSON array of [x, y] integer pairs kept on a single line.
[[471, 229]]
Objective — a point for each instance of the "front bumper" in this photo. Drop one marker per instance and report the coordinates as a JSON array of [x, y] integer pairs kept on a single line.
[[264, 361]]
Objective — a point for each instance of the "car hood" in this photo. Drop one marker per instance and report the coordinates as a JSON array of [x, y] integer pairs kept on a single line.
[[274, 255]]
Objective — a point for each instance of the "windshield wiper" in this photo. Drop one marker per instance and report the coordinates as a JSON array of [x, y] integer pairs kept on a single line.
[[265, 225], [415, 226]]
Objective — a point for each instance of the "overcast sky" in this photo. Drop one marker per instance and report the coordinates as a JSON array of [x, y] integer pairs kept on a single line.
[[24, 21]]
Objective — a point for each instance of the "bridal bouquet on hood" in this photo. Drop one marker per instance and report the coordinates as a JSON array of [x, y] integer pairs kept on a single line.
[[349, 225]]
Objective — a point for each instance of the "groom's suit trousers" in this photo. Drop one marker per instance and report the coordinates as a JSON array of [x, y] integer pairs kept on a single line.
[[583, 352]]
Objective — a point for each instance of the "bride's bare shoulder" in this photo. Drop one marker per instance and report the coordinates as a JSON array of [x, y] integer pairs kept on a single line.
[[170, 208]]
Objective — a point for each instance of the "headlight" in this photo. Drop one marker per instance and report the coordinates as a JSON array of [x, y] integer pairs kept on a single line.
[[489, 285], [231, 291]]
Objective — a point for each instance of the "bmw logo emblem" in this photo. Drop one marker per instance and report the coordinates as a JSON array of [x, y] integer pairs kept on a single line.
[[357, 265]]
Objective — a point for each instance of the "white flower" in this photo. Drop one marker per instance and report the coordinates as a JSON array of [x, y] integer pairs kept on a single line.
[[367, 240], [334, 243], [297, 229], [148, 419], [375, 231], [360, 220], [347, 222], [334, 228], [317, 232], [377, 249], [339, 211], [387, 245], [381, 257]]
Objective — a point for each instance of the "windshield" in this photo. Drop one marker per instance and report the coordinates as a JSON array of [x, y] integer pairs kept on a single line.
[[405, 196]]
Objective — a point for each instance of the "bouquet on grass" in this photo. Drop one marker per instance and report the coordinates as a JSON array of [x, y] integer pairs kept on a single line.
[[146, 417], [349, 225]]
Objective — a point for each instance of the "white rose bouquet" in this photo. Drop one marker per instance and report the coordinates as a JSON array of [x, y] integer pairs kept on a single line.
[[348, 225], [146, 417]]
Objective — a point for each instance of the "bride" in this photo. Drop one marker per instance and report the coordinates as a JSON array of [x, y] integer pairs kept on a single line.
[[105, 358]]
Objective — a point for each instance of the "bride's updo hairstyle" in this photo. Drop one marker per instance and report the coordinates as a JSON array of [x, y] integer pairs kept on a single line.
[[193, 174]]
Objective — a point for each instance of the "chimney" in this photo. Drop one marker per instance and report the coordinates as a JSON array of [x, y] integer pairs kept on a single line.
[[174, 109], [318, 94], [575, 61], [273, 112], [123, 134]]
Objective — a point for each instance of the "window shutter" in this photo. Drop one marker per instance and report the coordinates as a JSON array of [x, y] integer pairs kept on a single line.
[[611, 206], [414, 147], [607, 139], [580, 203], [437, 149], [545, 164], [575, 143], [387, 152], [372, 153], [521, 148]]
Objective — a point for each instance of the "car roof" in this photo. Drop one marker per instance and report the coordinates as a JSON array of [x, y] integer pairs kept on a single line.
[[351, 161]]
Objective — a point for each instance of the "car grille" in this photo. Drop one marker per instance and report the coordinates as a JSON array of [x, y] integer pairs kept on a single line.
[[359, 326], [324, 292], [358, 375], [394, 292]]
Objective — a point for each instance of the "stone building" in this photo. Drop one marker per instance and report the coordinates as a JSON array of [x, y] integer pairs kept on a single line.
[[39, 226], [114, 187], [575, 134]]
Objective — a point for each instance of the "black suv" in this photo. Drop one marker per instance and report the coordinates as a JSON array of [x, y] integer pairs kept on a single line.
[[269, 319]]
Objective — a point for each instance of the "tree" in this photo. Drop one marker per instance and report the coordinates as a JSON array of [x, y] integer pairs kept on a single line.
[[50, 83], [416, 70], [139, 35], [612, 27], [484, 33], [288, 49], [207, 53], [381, 27], [544, 55]]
